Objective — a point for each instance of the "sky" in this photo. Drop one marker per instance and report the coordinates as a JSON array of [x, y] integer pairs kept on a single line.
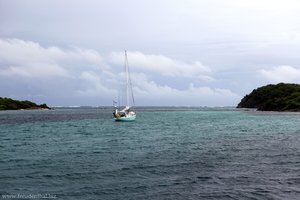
[[180, 53]]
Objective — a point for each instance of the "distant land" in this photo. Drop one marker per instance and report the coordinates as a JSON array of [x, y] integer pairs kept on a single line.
[[11, 104], [280, 97]]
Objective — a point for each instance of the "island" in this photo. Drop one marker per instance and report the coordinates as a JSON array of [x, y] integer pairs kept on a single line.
[[279, 97], [11, 104]]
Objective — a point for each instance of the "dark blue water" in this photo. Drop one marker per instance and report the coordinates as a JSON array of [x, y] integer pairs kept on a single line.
[[167, 153]]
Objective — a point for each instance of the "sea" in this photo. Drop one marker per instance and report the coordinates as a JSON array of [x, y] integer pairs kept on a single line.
[[167, 153]]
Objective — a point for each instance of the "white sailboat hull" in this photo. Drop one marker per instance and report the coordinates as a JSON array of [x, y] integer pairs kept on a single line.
[[125, 118]]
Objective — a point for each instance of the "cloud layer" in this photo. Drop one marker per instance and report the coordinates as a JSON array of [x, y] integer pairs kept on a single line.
[[77, 76], [191, 52], [164, 66], [282, 73]]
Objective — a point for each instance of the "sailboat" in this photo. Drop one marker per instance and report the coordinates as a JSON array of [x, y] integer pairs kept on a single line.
[[126, 114]]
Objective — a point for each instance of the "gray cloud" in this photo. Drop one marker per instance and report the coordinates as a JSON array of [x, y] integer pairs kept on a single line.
[[72, 48], [78, 76], [282, 73]]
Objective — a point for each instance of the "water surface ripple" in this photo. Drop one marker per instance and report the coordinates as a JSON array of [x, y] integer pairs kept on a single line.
[[167, 153]]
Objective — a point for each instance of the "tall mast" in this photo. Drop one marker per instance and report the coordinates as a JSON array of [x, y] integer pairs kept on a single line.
[[127, 79]]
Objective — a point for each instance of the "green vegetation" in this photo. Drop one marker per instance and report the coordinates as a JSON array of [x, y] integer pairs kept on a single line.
[[280, 97], [10, 104]]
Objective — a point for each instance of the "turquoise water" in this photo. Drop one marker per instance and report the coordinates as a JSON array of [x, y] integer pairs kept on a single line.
[[167, 153]]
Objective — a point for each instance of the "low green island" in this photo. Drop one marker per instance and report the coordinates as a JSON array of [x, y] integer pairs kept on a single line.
[[279, 97], [11, 104]]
